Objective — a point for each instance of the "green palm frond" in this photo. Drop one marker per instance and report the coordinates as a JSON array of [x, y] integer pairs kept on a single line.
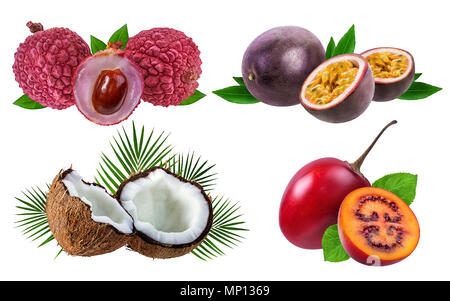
[[33, 219], [193, 168], [224, 231], [133, 153]]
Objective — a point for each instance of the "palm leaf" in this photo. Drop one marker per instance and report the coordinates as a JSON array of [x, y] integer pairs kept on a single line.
[[133, 153], [224, 231], [33, 219], [193, 168]]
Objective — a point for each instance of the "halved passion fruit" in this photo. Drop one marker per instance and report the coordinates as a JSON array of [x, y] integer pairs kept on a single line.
[[107, 86], [338, 90], [376, 227], [393, 71]]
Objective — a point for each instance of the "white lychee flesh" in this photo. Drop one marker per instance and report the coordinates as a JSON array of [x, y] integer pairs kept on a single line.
[[104, 208], [166, 209]]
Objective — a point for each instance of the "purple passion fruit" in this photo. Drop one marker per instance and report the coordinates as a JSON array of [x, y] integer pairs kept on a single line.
[[277, 62], [338, 90], [393, 71]]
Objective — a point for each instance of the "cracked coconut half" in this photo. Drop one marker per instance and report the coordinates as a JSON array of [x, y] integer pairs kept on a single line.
[[84, 218], [171, 215]]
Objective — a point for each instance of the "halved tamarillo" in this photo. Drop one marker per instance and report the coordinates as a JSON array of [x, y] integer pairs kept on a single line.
[[376, 227]]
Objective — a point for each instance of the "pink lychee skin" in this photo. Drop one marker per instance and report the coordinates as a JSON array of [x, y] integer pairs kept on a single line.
[[45, 63], [170, 63]]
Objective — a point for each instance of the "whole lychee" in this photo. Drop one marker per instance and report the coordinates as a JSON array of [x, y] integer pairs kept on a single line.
[[170, 63], [45, 63]]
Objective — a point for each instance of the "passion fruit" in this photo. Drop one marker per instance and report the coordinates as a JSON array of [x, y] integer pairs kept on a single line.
[[277, 62], [338, 90], [376, 227], [393, 71], [107, 86]]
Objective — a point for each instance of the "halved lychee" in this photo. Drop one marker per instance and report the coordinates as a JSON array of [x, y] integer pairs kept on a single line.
[[171, 215], [107, 86], [84, 219], [338, 90]]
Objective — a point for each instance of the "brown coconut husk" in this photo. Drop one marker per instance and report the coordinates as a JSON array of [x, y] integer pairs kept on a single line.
[[75, 231], [149, 247]]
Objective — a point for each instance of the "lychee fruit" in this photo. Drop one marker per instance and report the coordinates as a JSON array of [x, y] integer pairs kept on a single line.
[[45, 63], [107, 86], [170, 63]]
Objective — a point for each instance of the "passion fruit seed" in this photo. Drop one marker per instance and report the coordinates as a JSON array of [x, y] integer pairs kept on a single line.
[[382, 233], [109, 91], [387, 64], [330, 82]]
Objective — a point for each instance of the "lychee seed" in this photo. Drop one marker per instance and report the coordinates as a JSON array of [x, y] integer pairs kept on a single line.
[[109, 91]]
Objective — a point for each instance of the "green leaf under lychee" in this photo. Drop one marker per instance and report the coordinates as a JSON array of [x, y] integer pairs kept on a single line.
[[27, 103], [193, 98], [120, 35]]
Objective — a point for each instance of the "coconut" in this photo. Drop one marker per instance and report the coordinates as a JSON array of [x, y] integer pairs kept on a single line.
[[171, 215], [84, 219]]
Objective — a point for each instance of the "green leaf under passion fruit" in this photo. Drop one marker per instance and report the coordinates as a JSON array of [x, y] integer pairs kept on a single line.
[[346, 44], [419, 90], [236, 94], [330, 49]]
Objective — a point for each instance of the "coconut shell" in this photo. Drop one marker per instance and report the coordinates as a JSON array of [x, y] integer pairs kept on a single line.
[[75, 231], [149, 247]]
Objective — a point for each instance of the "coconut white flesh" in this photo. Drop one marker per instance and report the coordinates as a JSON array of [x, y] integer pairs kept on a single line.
[[165, 208], [356, 60], [104, 208], [87, 75], [396, 51]]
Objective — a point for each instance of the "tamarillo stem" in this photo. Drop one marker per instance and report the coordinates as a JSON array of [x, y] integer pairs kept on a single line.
[[357, 164]]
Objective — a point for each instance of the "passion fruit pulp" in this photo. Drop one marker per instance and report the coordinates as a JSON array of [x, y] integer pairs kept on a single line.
[[338, 90], [376, 227], [393, 71]]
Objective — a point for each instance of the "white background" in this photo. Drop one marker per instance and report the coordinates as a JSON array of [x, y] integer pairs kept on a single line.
[[257, 148]]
